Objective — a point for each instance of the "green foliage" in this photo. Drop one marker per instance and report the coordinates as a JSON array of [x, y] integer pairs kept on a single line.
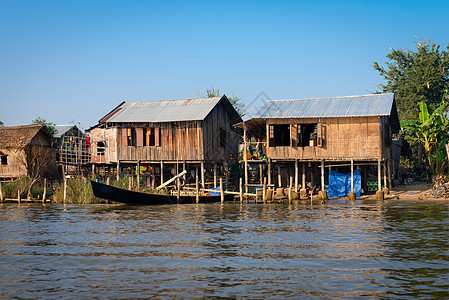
[[50, 126], [22, 184], [431, 131], [236, 101], [416, 76], [1, 123], [79, 191]]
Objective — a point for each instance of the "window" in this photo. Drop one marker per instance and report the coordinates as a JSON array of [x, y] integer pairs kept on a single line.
[[279, 135], [139, 137], [101, 147], [152, 137], [310, 135], [223, 137], [4, 160]]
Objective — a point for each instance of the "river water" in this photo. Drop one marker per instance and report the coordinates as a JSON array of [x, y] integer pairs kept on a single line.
[[336, 250]]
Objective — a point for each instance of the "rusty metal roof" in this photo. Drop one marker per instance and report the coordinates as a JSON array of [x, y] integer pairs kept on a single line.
[[163, 111], [350, 106]]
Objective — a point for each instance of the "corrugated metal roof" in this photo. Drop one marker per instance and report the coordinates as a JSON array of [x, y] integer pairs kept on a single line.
[[61, 129], [165, 110], [350, 106]]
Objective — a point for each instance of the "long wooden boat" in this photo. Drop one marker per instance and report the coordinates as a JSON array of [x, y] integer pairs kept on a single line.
[[116, 194]]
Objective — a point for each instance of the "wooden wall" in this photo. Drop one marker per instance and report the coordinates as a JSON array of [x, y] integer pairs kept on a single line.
[[360, 138], [110, 137], [15, 166]]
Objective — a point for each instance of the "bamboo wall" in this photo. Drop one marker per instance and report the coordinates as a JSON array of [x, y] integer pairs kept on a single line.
[[15, 167], [361, 138]]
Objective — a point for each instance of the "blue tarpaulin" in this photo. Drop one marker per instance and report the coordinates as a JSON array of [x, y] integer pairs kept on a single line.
[[215, 193], [340, 184]]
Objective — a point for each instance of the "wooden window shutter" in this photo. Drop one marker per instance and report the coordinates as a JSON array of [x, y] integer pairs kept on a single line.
[[320, 135], [271, 135], [124, 137], [157, 133], [139, 136]]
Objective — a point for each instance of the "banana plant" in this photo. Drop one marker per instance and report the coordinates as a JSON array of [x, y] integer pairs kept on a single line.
[[431, 130]]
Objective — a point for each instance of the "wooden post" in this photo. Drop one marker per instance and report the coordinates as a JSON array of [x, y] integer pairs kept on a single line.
[[221, 190], [108, 180], [290, 190], [215, 174], [379, 175], [296, 175], [352, 194], [197, 190], [129, 182], [303, 175], [241, 189], [202, 175], [93, 169], [352, 175], [385, 174], [162, 172], [18, 196], [264, 190], [45, 190], [118, 170], [269, 171], [65, 188], [138, 175], [260, 173], [226, 167], [322, 174], [178, 188], [245, 159], [184, 169], [279, 176], [389, 173], [1, 192]]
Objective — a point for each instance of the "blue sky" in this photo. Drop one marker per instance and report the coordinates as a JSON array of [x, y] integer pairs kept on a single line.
[[73, 61]]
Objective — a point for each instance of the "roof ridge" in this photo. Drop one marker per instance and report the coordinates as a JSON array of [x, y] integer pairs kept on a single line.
[[173, 100], [327, 98]]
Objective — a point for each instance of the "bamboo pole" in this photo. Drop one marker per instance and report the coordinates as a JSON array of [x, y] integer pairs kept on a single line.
[[290, 190], [18, 196], [45, 190], [264, 190], [215, 174], [296, 175], [202, 175], [197, 190], [221, 190], [138, 175], [241, 189]]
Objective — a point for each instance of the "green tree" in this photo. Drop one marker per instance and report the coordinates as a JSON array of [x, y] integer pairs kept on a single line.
[[50, 126], [236, 101], [1, 123], [416, 76]]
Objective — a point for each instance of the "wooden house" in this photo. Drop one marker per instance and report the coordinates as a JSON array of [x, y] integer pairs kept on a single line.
[[182, 132], [325, 132], [26, 149]]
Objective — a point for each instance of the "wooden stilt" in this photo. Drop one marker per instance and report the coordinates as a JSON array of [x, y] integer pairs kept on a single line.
[[215, 174], [178, 189], [1, 192], [203, 183], [279, 176], [221, 190], [296, 175], [108, 180], [138, 175], [44, 195], [352, 195], [162, 172], [184, 169], [65, 188], [269, 171], [130, 182], [197, 190], [322, 174], [264, 190], [118, 170], [389, 173], [241, 189], [18, 196], [379, 175], [245, 158], [260, 174], [290, 190], [303, 175], [93, 169]]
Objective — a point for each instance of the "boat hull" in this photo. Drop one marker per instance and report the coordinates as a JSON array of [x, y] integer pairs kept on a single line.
[[116, 194]]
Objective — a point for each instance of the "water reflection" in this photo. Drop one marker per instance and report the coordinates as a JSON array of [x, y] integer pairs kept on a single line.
[[336, 250]]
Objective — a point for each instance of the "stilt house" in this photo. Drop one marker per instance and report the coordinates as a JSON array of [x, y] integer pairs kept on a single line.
[[312, 136], [182, 133], [26, 149]]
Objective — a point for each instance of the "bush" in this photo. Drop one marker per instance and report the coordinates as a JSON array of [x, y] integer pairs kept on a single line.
[[79, 191]]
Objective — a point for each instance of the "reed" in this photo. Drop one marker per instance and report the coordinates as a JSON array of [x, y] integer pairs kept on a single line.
[[22, 184], [79, 191]]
